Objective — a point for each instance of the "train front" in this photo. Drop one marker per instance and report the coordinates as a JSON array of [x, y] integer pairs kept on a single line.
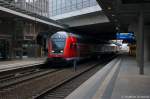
[[56, 45]]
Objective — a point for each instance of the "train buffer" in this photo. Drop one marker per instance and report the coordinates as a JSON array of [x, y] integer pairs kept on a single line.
[[117, 80], [21, 63]]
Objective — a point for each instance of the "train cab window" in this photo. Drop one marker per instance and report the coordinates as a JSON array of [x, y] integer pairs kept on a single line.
[[58, 44]]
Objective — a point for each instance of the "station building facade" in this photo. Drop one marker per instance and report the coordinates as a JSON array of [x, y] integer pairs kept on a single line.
[[39, 7], [17, 34]]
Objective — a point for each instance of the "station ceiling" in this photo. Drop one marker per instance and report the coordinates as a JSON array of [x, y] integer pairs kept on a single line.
[[121, 14], [125, 12], [103, 31], [92, 24]]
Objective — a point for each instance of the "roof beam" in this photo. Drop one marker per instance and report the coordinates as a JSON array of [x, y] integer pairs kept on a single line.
[[33, 18]]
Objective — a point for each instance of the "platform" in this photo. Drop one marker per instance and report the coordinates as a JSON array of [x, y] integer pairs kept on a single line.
[[129, 84], [122, 82], [20, 63]]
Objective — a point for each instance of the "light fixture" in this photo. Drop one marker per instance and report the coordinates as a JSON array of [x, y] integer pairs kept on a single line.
[[109, 8], [117, 28], [112, 15]]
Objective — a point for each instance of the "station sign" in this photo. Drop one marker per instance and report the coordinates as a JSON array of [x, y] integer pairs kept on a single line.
[[125, 36]]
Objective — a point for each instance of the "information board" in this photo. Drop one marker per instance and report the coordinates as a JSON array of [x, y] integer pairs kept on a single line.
[[125, 36]]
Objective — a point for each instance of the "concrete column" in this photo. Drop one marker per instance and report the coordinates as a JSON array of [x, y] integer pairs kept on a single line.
[[36, 47], [140, 42], [134, 27], [147, 43], [18, 38]]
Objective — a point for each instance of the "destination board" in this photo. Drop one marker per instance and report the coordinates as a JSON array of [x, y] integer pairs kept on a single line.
[[124, 36]]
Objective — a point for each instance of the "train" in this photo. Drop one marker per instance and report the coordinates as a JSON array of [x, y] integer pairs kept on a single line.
[[66, 47]]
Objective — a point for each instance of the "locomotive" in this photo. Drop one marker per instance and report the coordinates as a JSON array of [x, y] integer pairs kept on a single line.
[[68, 47]]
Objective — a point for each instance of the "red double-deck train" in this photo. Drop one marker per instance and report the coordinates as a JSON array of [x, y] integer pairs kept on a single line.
[[69, 47]]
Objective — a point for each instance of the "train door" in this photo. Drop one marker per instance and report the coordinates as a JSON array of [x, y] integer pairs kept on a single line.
[[4, 49], [73, 47]]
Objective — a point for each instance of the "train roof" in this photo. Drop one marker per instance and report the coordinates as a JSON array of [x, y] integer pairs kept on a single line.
[[86, 38], [65, 34], [62, 34]]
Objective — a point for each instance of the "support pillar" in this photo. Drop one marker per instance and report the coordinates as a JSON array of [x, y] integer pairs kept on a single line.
[[140, 42], [18, 38]]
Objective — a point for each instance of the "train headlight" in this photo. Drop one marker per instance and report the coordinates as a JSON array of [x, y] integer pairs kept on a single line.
[[52, 51], [61, 51]]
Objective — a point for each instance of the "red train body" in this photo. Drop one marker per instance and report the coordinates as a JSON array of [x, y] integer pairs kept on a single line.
[[68, 47]]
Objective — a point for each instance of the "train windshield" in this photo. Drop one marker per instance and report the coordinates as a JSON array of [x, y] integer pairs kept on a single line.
[[58, 43]]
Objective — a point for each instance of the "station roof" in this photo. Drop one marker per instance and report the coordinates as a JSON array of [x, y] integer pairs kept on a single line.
[[9, 10], [121, 13], [124, 12]]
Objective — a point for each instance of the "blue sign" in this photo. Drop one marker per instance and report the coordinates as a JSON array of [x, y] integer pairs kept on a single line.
[[125, 36]]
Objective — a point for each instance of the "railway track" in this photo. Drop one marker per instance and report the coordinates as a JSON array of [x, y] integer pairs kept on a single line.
[[27, 86], [34, 83], [66, 87], [18, 77]]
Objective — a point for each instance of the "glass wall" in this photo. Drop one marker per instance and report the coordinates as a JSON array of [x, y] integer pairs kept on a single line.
[[40, 7], [58, 7]]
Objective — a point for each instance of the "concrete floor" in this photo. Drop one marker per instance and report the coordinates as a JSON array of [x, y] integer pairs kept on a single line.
[[129, 84], [15, 64], [123, 83]]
